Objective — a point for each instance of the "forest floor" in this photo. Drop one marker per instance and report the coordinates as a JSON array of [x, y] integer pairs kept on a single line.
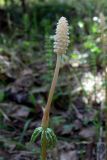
[[25, 80]]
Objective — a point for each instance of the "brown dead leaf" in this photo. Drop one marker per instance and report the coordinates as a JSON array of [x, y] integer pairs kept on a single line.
[[77, 124], [71, 155], [20, 112], [88, 132]]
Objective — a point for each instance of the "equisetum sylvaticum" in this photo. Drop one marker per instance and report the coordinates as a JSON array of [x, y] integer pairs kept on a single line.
[[48, 137]]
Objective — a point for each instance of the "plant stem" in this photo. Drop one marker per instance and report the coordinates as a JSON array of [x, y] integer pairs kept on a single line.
[[45, 119], [43, 149]]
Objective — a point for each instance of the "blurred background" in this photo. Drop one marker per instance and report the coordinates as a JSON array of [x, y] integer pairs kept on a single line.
[[27, 65]]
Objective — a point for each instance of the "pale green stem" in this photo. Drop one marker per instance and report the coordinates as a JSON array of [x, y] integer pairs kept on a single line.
[[43, 149], [54, 81], [45, 119]]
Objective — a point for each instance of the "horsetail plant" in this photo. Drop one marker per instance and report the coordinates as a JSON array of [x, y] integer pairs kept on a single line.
[[48, 137]]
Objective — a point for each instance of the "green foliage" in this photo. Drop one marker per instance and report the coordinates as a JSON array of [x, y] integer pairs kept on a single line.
[[48, 56], [32, 99], [57, 120], [26, 22], [36, 133], [74, 56], [24, 130], [91, 44], [50, 137], [1, 119], [48, 50], [49, 134], [97, 123], [2, 94]]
